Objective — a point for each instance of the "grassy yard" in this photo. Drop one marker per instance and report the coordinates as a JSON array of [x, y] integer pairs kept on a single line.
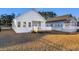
[[55, 41]]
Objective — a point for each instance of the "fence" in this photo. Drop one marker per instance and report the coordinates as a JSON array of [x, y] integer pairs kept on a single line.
[[6, 27]]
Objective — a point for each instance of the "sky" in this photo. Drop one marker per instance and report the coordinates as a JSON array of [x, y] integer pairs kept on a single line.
[[58, 11]]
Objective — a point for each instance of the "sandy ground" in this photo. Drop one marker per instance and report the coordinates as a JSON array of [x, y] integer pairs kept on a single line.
[[55, 41]]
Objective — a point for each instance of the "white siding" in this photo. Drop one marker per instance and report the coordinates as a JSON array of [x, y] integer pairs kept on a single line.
[[55, 25], [27, 17], [71, 27], [64, 28]]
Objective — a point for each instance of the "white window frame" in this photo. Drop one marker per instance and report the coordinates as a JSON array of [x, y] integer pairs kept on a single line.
[[18, 24], [24, 24], [29, 24]]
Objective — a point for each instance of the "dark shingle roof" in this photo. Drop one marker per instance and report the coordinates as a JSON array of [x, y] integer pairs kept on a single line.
[[59, 18]]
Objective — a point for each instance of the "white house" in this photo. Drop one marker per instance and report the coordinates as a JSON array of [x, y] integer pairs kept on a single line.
[[78, 25], [33, 21], [28, 22], [66, 23]]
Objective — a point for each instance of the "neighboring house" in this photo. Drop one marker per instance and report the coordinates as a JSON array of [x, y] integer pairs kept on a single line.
[[78, 25], [33, 21], [29, 22], [66, 23]]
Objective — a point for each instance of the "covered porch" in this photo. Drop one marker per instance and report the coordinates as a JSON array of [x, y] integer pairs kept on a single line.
[[40, 26]]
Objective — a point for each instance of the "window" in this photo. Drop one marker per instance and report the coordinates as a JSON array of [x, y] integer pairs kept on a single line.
[[13, 23], [29, 24], [67, 24], [19, 24], [24, 24], [47, 25], [59, 25], [73, 24], [55, 25], [51, 25]]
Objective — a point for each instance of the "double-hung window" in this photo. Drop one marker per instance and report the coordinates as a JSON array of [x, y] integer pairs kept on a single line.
[[19, 24], [24, 24], [29, 24]]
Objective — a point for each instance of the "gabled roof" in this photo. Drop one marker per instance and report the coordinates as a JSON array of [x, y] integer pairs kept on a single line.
[[59, 18], [31, 16]]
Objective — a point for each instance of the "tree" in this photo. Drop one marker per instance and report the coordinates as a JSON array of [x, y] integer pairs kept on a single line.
[[6, 20], [48, 14]]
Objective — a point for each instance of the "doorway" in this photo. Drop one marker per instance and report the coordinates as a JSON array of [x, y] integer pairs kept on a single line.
[[36, 25]]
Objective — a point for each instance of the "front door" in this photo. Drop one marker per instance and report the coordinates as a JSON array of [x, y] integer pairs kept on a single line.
[[36, 25]]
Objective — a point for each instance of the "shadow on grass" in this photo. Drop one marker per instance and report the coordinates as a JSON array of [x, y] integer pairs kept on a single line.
[[59, 33], [14, 39], [10, 38]]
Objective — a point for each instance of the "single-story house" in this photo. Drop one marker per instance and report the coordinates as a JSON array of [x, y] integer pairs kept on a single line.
[[29, 21], [66, 23], [33, 21], [78, 26]]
